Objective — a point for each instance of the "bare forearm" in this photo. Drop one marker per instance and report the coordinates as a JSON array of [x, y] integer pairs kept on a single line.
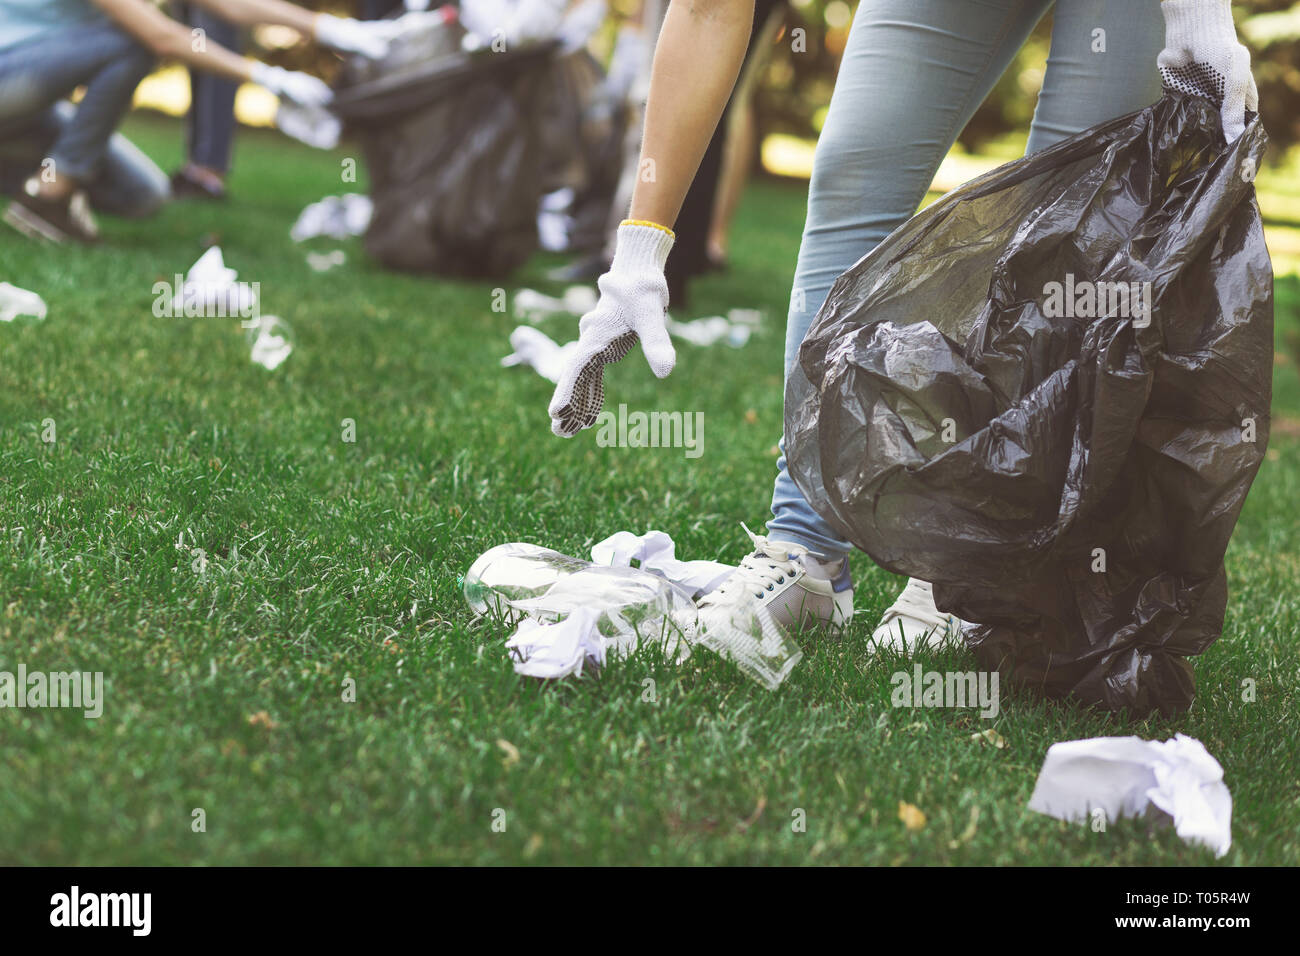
[[168, 39], [697, 60], [247, 13]]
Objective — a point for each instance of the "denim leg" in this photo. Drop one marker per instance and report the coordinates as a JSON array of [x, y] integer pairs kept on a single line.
[[913, 73], [210, 125], [127, 182], [1096, 76], [33, 76]]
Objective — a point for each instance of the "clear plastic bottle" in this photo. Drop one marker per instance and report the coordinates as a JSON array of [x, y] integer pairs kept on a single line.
[[514, 572]]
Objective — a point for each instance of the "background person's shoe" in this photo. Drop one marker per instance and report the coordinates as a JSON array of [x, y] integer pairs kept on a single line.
[[913, 622], [57, 220], [187, 184], [792, 584]]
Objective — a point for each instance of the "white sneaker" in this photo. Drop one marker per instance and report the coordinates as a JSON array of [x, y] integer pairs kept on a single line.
[[913, 622], [779, 589], [790, 583]]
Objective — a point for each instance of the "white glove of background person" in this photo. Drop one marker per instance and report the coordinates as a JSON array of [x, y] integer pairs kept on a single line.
[[633, 304], [1202, 52], [370, 38], [301, 88], [534, 20], [516, 23]]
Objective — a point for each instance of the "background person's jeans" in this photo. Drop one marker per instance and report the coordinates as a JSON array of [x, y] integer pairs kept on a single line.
[[913, 74], [210, 126], [80, 140]]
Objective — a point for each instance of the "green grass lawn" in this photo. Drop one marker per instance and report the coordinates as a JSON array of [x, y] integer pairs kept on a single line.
[[330, 560]]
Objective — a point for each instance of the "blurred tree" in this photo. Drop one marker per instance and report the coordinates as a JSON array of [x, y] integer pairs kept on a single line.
[[795, 91]]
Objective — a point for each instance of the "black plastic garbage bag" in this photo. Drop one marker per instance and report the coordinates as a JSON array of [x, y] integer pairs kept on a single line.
[[582, 129], [1048, 394], [453, 144]]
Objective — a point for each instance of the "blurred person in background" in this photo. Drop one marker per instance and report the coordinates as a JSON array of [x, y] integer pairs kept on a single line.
[[210, 122], [71, 155]]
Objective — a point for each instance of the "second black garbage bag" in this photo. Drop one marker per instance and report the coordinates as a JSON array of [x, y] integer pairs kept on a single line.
[[1048, 394], [453, 144]]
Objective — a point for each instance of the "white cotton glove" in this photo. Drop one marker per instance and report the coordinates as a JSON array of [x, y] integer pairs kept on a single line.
[[300, 88], [517, 22], [535, 20], [370, 38], [633, 305], [1203, 56]]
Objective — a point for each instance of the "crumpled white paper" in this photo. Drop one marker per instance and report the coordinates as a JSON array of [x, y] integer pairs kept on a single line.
[[734, 328], [654, 551], [1123, 775], [337, 217], [15, 302], [536, 349], [558, 649], [325, 261], [210, 284], [562, 648], [533, 306], [271, 341]]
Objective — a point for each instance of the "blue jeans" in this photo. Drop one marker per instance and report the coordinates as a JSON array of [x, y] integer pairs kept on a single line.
[[913, 74], [210, 126], [35, 125]]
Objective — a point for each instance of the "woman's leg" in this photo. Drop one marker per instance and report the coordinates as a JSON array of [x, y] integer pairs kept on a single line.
[[211, 121], [1102, 65], [913, 73], [126, 183]]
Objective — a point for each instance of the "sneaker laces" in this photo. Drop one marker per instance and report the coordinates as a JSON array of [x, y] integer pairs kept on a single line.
[[762, 570], [917, 604]]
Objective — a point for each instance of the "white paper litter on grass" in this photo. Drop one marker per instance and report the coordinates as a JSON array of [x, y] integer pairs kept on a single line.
[[734, 328], [655, 551], [337, 217], [1122, 776], [325, 261], [559, 649], [211, 285], [533, 306], [15, 302], [271, 343], [536, 349]]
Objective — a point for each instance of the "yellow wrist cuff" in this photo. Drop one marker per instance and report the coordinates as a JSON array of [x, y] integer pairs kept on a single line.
[[647, 222]]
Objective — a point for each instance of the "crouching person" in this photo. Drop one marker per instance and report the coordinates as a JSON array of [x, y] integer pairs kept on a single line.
[[58, 160]]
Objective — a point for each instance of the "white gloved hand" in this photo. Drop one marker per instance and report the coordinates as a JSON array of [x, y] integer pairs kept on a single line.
[[370, 38], [535, 20], [517, 23], [301, 88], [1202, 56], [633, 305]]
